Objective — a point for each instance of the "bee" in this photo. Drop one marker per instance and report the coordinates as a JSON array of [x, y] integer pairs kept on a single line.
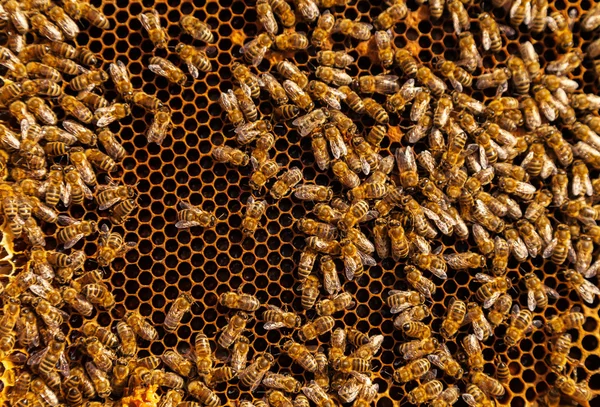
[[140, 326], [488, 384], [266, 16], [179, 308], [197, 29], [348, 178], [520, 12], [41, 110], [323, 29], [163, 67], [447, 397], [244, 302], [300, 355], [444, 360], [561, 246], [254, 212], [334, 76], [338, 59], [538, 293], [195, 59], [399, 301], [454, 318], [474, 353], [74, 230], [338, 303], [199, 391], [99, 379], [352, 99], [408, 64], [151, 22], [266, 171], [101, 356], [384, 48], [415, 329], [103, 334], [395, 13], [122, 210], [398, 242], [45, 28], [232, 331], [230, 155], [92, 100], [286, 182], [204, 354], [43, 392], [460, 17], [560, 353], [326, 94], [586, 290], [75, 108], [77, 301], [111, 145], [310, 291], [281, 382], [299, 97], [420, 105], [475, 397], [255, 50], [128, 346], [425, 392], [590, 20], [191, 216], [431, 81], [498, 78], [47, 360], [519, 74], [412, 371], [579, 392], [559, 324], [564, 65], [106, 115], [581, 183], [276, 318], [492, 289], [291, 41], [348, 364], [120, 77], [312, 330], [98, 293], [229, 104], [521, 323], [481, 326], [314, 228], [418, 282], [353, 29], [78, 10], [561, 24], [354, 260], [376, 111]]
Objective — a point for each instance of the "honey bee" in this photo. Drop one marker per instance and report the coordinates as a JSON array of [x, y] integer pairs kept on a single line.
[[219, 375], [322, 230], [559, 324], [428, 391], [395, 13], [312, 330], [47, 360], [266, 171], [560, 353], [579, 392], [538, 293], [444, 360], [191, 216], [300, 355], [408, 64], [520, 12], [199, 391], [230, 155], [266, 16], [519, 74], [492, 289], [99, 294], [521, 323], [77, 301], [291, 41], [75, 108], [565, 64], [488, 384], [204, 360], [498, 78], [475, 397], [108, 195], [179, 308], [103, 334], [281, 382], [333, 76], [561, 246], [348, 364], [399, 301], [140, 326], [590, 21], [195, 59], [352, 99], [354, 29], [338, 303], [586, 290], [447, 397], [126, 334], [354, 260], [412, 371], [92, 100], [75, 230], [338, 59], [122, 210], [301, 98], [254, 212], [310, 291], [41, 110], [454, 318], [101, 356], [469, 55], [106, 115], [163, 67], [120, 77], [43, 392], [197, 29], [326, 94], [286, 182], [255, 50], [561, 24], [45, 28], [431, 81], [151, 22], [232, 331]]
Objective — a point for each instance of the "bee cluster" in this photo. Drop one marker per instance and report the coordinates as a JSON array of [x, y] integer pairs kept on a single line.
[[423, 175]]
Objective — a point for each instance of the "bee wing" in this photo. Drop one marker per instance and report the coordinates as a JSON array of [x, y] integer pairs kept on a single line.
[[550, 248], [273, 325], [456, 84], [68, 26], [145, 20], [63, 365], [366, 259], [73, 241], [332, 101], [193, 70], [588, 291], [531, 302], [157, 69], [338, 147], [490, 301], [527, 19], [456, 24], [514, 8], [592, 270], [483, 277], [366, 167], [108, 203], [550, 292], [470, 400], [399, 308], [435, 359], [548, 168], [184, 224]]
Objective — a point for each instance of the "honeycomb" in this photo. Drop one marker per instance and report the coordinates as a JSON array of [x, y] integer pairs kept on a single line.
[[208, 262]]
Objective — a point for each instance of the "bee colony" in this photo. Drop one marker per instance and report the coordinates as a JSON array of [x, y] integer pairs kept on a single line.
[[312, 203]]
